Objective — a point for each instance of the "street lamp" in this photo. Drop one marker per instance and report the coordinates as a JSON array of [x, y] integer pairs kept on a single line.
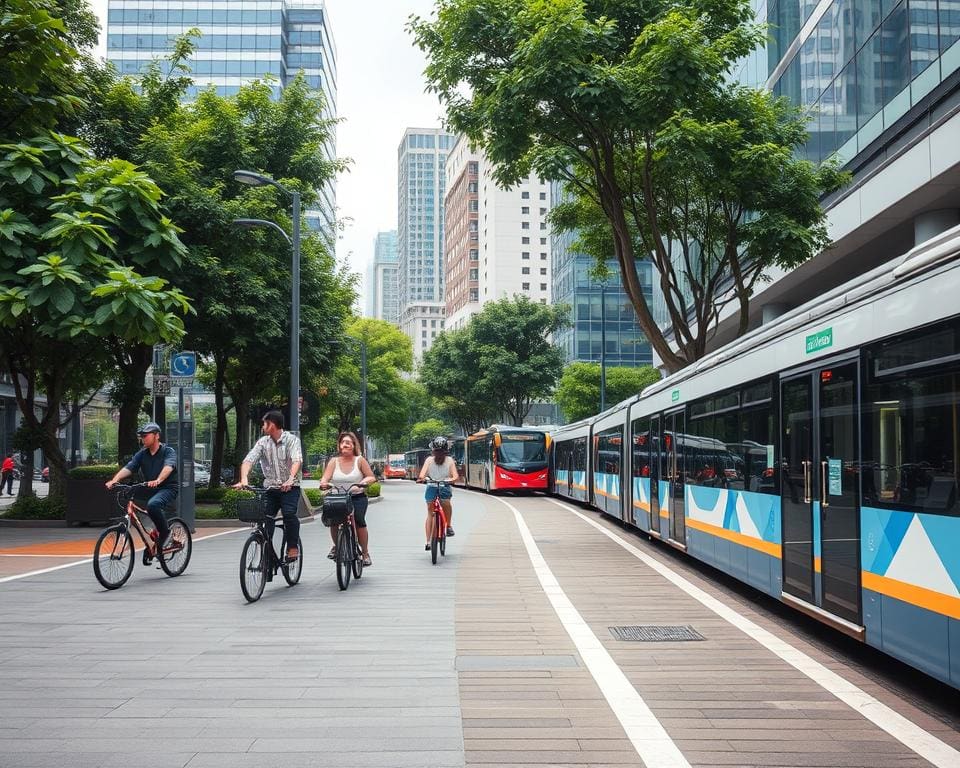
[[603, 348], [363, 383], [254, 179]]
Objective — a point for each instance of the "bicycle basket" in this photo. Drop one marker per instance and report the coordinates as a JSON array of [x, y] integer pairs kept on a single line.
[[336, 507], [252, 510]]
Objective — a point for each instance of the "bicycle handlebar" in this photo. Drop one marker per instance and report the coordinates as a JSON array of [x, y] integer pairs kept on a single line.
[[439, 483], [342, 488]]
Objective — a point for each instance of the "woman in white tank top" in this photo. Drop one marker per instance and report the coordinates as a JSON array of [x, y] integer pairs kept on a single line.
[[438, 466], [349, 469]]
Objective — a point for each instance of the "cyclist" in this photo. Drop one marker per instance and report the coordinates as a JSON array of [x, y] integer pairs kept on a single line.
[[350, 470], [439, 466], [280, 457], [157, 462]]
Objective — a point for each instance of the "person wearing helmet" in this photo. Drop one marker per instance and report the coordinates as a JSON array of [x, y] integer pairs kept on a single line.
[[438, 466], [158, 464]]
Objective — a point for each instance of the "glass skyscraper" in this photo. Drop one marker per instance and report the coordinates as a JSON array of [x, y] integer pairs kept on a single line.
[[382, 279], [589, 320], [241, 41], [421, 186]]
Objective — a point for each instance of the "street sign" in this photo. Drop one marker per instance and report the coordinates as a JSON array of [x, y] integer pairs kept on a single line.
[[161, 385], [183, 364], [184, 382]]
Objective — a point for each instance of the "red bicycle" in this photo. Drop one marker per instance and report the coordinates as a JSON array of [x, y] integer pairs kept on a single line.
[[438, 538]]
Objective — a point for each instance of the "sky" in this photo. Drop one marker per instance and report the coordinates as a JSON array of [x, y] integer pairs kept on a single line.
[[380, 93]]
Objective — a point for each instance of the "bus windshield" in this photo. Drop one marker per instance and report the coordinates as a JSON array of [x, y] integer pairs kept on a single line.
[[397, 462], [521, 448]]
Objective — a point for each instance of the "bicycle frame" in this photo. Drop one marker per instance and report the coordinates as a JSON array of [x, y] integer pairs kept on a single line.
[[131, 516]]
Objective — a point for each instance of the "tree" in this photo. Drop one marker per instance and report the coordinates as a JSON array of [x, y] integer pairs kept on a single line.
[[389, 356], [501, 361], [578, 393], [631, 104], [423, 432], [40, 44], [70, 226]]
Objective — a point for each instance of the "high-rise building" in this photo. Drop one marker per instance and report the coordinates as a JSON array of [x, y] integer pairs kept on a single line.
[[598, 312], [421, 186], [241, 41], [497, 241], [382, 279], [880, 85]]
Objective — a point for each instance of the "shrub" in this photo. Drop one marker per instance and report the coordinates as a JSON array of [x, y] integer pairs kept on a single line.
[[34, 508], [209, 495], [228, 505], [373, 490], [314, 496], [93, 472]]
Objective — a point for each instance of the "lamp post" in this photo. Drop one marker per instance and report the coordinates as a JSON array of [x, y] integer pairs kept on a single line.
[[259, 180], [603, 348]]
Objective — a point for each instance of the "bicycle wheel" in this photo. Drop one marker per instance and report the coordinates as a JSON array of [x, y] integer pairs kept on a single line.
[[253, 574], [113, 557], [434, 540], [357, 555], [175, 557], [443, 541], [292, 571], [344, 556]]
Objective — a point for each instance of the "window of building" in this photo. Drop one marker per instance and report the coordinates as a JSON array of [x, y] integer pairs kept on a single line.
[[543, 195], [543, 286], [543, 225], [524, 225], [543, 211], [543, 270], [525, 271], [525, 254], [525, 286], [525, 240], [524, 195], [543, 256], [543, 241], [474, 274], [525, 209]]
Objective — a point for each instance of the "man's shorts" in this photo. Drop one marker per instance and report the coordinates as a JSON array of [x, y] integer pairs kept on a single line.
[[446, 492]]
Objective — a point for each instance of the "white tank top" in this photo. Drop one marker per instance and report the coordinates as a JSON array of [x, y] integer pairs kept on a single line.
[[347, 479], [439, 471]]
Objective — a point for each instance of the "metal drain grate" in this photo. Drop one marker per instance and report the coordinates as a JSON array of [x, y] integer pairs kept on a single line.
[[655, 634]]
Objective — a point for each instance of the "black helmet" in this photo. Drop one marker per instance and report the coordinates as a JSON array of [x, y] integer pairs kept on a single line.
[[439, 444]]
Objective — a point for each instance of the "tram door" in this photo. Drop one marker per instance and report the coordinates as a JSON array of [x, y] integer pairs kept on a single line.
[[820, 460], [673, 425], [653, 445]]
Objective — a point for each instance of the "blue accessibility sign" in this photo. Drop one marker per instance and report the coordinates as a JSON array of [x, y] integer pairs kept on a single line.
[[183, 364]]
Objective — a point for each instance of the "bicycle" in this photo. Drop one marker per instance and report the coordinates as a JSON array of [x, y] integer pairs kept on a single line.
[[259, 561], [338, 511], [114, 552], [438, 538]]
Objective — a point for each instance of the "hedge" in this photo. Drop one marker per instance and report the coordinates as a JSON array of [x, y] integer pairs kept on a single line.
[[205, 495], [94, 472], [35, 508]]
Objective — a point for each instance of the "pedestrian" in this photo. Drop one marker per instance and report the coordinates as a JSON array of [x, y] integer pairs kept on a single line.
[[6, 474]]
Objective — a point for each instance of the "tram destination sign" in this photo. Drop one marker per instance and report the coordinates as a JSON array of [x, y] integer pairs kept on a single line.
[[820, 340]]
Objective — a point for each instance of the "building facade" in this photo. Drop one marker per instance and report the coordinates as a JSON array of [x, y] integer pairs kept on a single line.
[[880, 85], [421, 186], [497, 240], [600, 312], [382, 279], [241, 41]]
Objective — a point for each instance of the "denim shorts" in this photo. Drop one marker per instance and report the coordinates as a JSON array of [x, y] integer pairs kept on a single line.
[[431, 493]]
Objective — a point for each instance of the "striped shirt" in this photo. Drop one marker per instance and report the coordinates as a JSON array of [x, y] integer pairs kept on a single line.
[[277, 458]]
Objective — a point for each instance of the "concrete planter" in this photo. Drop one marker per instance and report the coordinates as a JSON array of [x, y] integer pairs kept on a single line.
[[89, 502]]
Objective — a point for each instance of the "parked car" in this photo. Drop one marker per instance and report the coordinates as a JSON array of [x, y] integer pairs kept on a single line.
[[201, 475]]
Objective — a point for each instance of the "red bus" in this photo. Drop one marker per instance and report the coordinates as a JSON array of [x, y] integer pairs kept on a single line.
[[503, 458], [395, 466]]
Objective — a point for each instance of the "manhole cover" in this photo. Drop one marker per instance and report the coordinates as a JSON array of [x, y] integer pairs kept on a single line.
[[655, 634]]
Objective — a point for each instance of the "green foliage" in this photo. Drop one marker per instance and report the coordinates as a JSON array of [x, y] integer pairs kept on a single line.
[[423, 432], [210, 495], [39, 81], [632, 105], [498, 364], [35, 508], [372, 490], [578, 393], [93, 472], [231, 496], [314, 496]]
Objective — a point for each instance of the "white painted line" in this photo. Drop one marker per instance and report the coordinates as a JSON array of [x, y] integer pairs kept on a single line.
[[90, 559], [653, 745], [908, 733]]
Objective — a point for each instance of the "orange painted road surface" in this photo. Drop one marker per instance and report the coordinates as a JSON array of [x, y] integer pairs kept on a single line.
[[78, 547]]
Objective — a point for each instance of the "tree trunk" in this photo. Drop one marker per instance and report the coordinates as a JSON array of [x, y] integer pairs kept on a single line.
[[55, 458], [133, 362], [242, 407], [219, 440]]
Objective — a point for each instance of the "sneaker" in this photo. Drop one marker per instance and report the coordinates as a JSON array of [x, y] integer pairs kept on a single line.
[[332, 554], [449, 531], [367, 562], [426, 547]]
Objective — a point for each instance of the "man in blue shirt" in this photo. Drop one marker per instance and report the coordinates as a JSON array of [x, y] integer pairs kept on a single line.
[[158, 463]]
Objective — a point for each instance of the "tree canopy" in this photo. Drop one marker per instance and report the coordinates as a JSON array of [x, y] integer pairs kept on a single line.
[[578, 392], [631, 104], [497, 365]]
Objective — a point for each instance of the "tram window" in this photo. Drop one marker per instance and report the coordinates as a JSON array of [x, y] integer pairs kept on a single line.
[[609, 451], [927, 347], [641, 449], [911, 438]]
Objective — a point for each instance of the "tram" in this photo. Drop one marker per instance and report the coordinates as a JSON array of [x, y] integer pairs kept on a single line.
[[414, 461], [503, 457], [815, 458]]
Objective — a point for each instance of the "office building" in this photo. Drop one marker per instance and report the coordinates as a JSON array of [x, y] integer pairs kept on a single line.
[[382, 279], [497, 240], [592, 321], [421, 186], [880, 84], [241, 41]]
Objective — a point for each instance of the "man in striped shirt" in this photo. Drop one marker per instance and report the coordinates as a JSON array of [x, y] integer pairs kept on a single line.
[[280, 460]]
